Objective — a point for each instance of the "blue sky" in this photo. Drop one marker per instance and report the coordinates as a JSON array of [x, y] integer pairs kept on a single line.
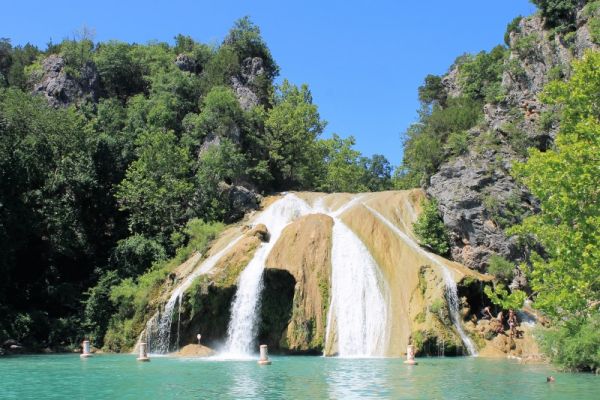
[[363, 60]]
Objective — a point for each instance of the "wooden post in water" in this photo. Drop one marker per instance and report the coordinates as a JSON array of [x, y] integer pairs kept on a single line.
[[143, 356], [264, 356], [86, 350], [410, 355]]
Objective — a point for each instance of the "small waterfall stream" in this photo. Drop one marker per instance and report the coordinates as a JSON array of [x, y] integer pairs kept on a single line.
[[158, 328], [243, 325], [451, 288]]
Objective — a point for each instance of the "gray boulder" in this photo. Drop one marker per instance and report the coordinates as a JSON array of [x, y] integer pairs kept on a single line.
[[185, 63], [60, 88], [239, 200]]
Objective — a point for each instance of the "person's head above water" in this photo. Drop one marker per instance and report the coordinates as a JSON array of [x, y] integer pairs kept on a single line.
[[550, 379]]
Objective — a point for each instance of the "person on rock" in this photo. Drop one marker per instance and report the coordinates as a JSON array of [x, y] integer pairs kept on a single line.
[[500, 323], [512, 323], [486, 313]]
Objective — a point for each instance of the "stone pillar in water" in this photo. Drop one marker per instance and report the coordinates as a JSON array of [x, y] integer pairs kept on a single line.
[[264, 356], [143, 356], [86, 349], [410, 355]]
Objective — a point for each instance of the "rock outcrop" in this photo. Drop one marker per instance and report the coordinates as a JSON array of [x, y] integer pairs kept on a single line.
[[475, 191], [61, 88], [251, 69]]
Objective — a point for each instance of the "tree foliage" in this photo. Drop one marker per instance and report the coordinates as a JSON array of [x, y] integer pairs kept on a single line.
[[430, 229], [566, 181]]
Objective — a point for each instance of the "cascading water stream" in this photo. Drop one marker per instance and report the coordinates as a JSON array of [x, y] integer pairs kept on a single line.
[[158, 328], [451, 289], [359, 297], [244, 310], [359, 294]]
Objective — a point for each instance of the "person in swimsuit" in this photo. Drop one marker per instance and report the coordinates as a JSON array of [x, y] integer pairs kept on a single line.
[[512, 323]]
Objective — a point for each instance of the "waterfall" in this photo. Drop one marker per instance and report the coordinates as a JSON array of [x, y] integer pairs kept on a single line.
[[451, 289], [359, 297], [243, 325], [359, 294], [453, 305], [158, 328]]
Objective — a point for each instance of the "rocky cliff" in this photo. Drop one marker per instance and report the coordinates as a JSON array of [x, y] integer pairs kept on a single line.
[[477, 196]]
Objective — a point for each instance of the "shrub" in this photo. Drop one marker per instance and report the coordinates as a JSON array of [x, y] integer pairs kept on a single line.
[[480, 75], [501, 267], [559, 14], [513, 26], [575, 344], [430, 229], [525, 45], [500, 296], [458, 143]]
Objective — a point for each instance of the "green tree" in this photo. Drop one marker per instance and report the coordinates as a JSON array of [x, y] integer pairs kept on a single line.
[[120, 72], [292, 127], [430, 229], [566, 181], [343, 169], [559, 14], [157, 189]]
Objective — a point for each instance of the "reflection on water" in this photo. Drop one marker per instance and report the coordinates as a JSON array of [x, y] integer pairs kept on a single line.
[[120, 376]]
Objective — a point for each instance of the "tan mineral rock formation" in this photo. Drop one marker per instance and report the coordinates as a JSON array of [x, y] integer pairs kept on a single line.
[[304, 250], [195, 350], [414, 276], [228, 268], [401, 261]]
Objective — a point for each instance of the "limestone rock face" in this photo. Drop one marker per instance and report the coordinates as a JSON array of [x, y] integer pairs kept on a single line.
[[304, 250], [461, 188], [252, 68], [62, 89]]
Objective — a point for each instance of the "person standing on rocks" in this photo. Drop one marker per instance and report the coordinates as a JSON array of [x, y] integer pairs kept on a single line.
[[512, 323]]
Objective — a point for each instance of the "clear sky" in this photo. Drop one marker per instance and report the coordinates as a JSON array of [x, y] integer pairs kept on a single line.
[[363, 60]]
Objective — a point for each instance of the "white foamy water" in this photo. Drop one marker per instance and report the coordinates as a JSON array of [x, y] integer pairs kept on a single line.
[[359, 294], [245, 308], [359, 297], [158, 328], [451, 289]]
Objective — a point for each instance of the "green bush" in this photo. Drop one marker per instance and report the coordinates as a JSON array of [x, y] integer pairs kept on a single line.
[[505, 212], [430, 229], [500, 296], [559, 14], [480, 75], [525, 45], [574, 344], [458, 143], [501, 267], [513, 26]]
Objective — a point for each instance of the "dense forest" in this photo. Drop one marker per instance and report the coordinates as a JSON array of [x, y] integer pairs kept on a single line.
[[119, 160], [111, 154]]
